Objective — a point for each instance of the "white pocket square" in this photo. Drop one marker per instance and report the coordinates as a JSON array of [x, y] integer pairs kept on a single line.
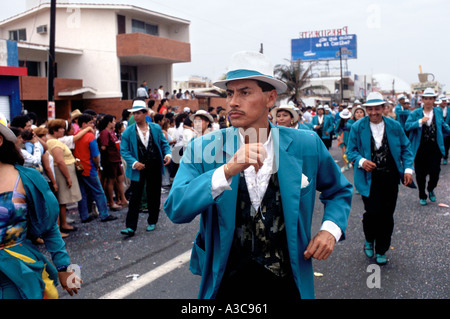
[[305, 181]]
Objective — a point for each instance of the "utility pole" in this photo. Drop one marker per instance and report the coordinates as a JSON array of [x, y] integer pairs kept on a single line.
[[342, 86], [51, 54], [51, 64], [261, 49]]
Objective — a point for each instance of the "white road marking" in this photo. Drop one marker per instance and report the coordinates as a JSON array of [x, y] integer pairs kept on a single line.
[[148, 277]]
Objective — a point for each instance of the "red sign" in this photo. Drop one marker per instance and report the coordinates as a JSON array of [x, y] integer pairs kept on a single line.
[[324, 33]]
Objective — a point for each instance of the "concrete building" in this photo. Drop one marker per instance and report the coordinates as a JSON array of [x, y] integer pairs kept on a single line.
[[103, 54]]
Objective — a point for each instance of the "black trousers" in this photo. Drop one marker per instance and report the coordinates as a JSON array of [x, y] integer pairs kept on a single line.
[[446, 146], [427, 163], [254, 282], [151, 176], [378, 219]]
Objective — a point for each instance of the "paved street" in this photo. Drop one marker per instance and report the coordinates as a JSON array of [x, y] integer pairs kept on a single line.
[[418, 264]]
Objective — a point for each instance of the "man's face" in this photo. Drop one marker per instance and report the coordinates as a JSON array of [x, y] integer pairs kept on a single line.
[[28, 126], [375, 113], [247, 105], [139, 116], [428, 101]]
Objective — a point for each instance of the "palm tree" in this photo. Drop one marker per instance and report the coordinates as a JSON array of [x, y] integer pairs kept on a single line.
[[296, 77]]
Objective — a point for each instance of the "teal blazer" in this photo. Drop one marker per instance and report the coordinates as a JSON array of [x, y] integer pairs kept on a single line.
[[359, 146], [297, 152], [129, 148], [415, 131], [328, 125]]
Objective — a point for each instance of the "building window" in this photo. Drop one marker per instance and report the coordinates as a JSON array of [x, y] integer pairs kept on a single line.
[[34, 68], [128, 81], [18, 35], [142, 27]]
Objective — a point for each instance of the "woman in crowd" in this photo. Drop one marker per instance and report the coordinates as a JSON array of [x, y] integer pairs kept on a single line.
[[65, 172], [111, 162], [202, 121], [28, 207], [342, 132]]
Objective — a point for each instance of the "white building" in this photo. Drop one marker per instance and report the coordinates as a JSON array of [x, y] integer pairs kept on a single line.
[[103, 52]]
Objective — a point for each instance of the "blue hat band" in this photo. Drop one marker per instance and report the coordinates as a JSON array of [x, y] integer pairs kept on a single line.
[[242, 73], [375, 101]]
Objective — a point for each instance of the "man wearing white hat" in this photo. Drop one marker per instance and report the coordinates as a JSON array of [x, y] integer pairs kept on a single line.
[[323, 125], [254, 185], [145, 150], [426, 128], [382, 157], [402, 111], [443, 105]]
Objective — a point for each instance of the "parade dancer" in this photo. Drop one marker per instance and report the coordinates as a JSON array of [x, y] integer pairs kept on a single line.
[[254, 185], [382, 157], [426, 127]]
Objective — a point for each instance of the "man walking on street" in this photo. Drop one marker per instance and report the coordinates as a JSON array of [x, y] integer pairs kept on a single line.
[[254, 185], [145, 150], [382, 157], [86, 149]]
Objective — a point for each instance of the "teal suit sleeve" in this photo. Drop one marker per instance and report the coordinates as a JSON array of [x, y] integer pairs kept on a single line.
[[125, 148], [353, 155], [412, 123], [191, 185], [335, 190]]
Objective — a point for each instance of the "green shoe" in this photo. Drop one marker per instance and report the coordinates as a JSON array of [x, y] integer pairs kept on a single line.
[[423, 202], [151, 227], [368, 249], [432, 196], [127, 231], [381, 259]]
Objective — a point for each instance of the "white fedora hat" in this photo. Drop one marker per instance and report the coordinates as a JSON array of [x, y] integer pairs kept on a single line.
[[401, 96], [202, 113], [345, 114], [247, 65], [138, 105], [5, 131], [374, 98], [286, 108], [429, 92]]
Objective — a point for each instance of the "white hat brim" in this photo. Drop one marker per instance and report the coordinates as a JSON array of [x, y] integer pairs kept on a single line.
[[7, 133], [279, 86], [293, 113], [209, 117]]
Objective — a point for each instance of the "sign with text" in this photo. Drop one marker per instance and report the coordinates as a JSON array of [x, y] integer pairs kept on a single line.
[[324, 48]]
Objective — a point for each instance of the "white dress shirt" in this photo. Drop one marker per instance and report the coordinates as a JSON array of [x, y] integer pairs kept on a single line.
[[257, 183], [377, 134]]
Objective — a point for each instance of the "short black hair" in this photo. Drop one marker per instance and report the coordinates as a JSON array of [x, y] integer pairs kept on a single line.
[[20, 121], [84, 118], [265, 87]]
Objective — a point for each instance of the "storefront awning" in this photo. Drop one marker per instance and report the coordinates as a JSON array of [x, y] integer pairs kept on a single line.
[[76, 91]]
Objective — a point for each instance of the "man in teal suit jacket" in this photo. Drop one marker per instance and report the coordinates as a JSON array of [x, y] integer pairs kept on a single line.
[[216, 166], [145, 150], [381, 155], [323, 125], [426, 127]]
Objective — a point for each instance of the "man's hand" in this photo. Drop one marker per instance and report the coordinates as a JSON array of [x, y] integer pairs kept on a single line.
[[407, 179], [167, 160], [139, 166], [369, 166], [321, 246], [247, 155]]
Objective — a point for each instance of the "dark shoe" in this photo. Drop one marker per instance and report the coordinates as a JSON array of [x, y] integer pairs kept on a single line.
[[67, 230], [127, 231], [88, 220], [109, 218]]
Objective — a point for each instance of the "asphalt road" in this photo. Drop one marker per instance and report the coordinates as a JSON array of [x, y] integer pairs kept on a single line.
[[418, 264]]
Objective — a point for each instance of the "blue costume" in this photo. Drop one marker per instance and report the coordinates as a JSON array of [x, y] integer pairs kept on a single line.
[[300, 153]]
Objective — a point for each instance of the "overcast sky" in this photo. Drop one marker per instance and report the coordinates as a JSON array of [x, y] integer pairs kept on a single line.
[[394, 36]]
